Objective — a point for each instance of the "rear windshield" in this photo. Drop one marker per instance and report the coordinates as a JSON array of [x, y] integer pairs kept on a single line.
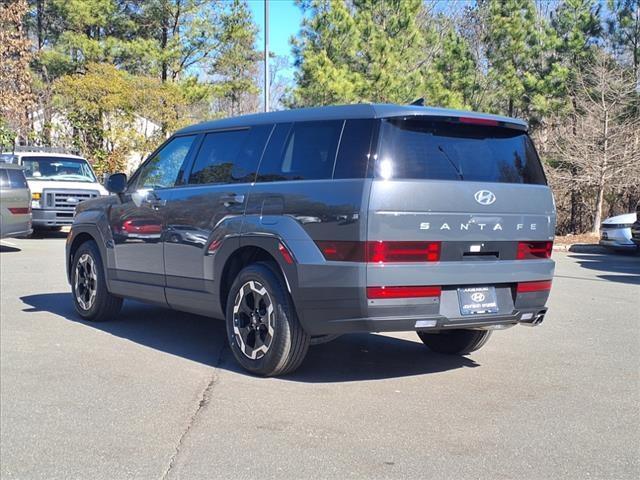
[[12, 178], [425, 149]]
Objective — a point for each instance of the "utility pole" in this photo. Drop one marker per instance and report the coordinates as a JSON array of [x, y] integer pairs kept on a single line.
[[266, 55]]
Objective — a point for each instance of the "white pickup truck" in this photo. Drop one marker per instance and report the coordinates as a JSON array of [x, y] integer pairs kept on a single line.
[[58, 183]]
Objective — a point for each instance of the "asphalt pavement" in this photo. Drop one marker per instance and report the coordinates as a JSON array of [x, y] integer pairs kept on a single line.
[[157, 394]]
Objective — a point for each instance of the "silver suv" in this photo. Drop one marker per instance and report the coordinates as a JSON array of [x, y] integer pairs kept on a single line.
[[301, 225], [15, 202], [58, 181]]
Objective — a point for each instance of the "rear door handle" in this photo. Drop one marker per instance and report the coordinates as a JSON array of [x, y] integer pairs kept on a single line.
[[232, 199]]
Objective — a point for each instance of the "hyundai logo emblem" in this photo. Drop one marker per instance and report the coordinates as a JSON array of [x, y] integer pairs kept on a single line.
[[477, 297], [484, 197]]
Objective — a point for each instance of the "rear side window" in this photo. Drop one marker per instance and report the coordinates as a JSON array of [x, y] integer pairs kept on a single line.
[[436, 150], [309, 152], [231, 156], [4, 178], [355, 147]]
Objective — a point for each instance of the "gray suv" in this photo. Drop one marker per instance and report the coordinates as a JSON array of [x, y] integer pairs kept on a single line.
[[300, 225]]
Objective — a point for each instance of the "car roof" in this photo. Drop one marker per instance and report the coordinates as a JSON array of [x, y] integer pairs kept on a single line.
[[43, 154], [342, 112], [11, 166]]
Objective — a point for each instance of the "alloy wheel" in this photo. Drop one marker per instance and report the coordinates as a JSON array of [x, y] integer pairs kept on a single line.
[[253, 320], [86, 281]]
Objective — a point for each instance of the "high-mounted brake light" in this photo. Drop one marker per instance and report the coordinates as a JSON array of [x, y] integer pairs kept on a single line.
[[541, 286], [378, 293], [479, 121], [380, 251], [531, 250]]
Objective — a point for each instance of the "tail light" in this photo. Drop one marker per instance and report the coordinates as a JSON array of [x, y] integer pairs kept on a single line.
[[526, 287], [378, 293], [380, 252], [529, 250], [383, 252], [19, 210]]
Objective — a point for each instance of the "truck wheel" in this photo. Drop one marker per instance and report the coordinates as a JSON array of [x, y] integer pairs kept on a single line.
[[264, 333], [90, 295], [455, 342]]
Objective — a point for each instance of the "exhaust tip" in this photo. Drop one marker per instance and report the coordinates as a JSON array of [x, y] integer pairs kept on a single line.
[[531, 319]]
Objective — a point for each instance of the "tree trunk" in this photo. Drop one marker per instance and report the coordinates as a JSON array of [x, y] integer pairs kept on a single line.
[[603, 172]]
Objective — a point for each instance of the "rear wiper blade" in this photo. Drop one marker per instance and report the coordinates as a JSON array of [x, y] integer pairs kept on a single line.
[[453, 164]]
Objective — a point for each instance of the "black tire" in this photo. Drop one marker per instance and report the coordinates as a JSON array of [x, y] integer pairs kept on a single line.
[[455, 342], [103, 306], [271, 323]]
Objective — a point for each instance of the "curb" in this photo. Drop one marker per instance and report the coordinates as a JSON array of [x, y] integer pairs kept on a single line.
[[580, 248]]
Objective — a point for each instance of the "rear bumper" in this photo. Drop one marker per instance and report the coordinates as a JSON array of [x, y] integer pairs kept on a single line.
[[16, 227], [530, 317], [52, 218], [331, 298]]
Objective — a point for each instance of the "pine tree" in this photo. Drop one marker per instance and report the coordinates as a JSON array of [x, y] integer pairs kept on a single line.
[[519, 46], [451, 81], [234, 66], [364, 51], [624, 30], [325, 54]]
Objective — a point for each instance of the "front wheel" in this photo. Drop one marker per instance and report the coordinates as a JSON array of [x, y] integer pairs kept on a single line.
[[264, 333], [90, 295], [455, 342]]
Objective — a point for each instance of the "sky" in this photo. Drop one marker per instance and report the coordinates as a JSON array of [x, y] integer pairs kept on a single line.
[[284, 21]]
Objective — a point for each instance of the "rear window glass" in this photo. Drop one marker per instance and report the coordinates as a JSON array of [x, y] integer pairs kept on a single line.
[[12, 178], [355, 146], [309, 152], [436, 150], [231, 156], [16, 178]]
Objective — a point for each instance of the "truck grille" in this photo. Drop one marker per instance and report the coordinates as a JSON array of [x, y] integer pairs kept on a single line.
[[67, 199]]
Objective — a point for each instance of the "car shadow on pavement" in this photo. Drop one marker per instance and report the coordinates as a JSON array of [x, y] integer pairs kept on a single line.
[[42, 234], [626, 263], [9, 248], [354, 357]]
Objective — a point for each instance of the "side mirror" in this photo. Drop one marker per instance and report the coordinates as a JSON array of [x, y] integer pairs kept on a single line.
[[116, 183]]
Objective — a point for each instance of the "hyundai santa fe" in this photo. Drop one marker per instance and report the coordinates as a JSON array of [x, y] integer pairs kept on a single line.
[[301, 225]]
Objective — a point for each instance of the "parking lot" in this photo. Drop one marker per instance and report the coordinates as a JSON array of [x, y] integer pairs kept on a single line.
[[156, 394]]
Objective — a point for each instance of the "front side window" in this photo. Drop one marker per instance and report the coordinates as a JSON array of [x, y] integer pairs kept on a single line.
[[426, 149], [309, 152], [163, 169], [57, 169]]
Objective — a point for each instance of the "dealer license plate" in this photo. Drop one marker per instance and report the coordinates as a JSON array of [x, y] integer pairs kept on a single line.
[[477, 300]]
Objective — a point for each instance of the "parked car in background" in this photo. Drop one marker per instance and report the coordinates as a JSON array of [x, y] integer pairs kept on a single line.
[[58, 182], [300, 225], [15, 202], [615, 232], [635, 228]]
